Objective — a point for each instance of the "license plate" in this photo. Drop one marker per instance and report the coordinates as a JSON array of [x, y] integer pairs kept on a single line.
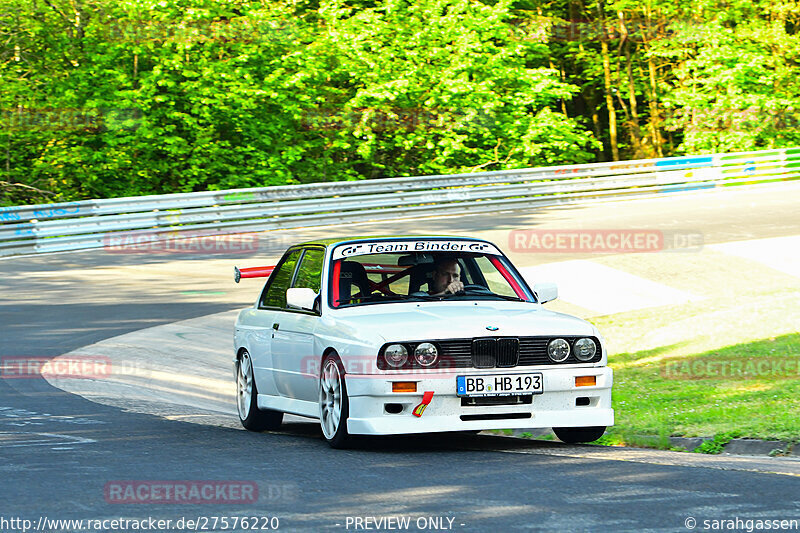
[[500, 384]]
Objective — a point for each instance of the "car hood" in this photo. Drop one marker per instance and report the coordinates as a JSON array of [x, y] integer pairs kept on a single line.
[[450, 320]]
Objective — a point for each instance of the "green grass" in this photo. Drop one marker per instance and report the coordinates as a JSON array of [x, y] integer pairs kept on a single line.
[[664, 358], [747, 390], [743, 315]]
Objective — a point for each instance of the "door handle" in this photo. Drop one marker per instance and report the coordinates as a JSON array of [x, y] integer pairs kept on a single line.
[[275, 326]]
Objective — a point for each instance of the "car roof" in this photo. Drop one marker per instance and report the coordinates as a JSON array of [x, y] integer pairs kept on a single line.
[[330, 242]]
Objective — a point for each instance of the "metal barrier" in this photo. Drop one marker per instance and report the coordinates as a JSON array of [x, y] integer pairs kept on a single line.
[[94, 223]]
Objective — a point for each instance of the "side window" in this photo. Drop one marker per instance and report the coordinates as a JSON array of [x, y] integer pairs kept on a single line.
[[310, 272], [466, 273], [275, 294], [494, 279]]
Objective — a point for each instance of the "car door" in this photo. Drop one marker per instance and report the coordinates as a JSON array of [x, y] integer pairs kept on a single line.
[[294, 352], [270, 306]]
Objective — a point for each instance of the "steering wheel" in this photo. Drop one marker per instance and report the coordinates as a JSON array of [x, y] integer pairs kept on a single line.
[[477, 288]]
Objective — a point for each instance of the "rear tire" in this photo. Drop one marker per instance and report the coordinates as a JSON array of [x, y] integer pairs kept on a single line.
[[576, 435], [251, 417], [334, 406]]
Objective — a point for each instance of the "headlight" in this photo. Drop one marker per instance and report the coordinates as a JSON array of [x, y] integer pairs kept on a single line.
[[558, 350], [585, 349], [396, 355], [426, 354]]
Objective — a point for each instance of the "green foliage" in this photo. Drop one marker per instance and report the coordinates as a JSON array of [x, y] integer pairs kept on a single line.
[[102, 98], [745, 390], [447, 91], [735, 89], [716, 445], [189, 95]]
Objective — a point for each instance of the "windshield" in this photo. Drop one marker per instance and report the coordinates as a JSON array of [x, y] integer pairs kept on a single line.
[[418, 276]]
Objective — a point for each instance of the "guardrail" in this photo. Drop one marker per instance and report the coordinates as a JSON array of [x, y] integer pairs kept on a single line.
[[95, 223]]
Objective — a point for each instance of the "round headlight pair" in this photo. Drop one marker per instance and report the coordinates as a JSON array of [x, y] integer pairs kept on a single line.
[[558, 349], [396, 355], [425, 354]]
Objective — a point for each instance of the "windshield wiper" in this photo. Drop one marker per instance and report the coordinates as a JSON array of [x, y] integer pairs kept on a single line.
[[490, 293], [388, 298], [511, 298], [417, 297], [348, 300], [427, 297]]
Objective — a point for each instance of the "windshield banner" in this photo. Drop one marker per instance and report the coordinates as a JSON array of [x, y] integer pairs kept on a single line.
[[387, 247]]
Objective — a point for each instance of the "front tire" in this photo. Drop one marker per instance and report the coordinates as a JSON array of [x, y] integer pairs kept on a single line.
[[576, 435], [250, 416], [334, 406]]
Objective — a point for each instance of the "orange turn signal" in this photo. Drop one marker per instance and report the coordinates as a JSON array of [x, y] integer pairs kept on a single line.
[[404, 386], [585, 381]]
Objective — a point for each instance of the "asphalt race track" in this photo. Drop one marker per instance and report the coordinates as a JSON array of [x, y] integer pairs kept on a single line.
[[63, 456]]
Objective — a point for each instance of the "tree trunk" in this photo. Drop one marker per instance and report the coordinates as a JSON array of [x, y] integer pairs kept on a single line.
[[591, 106], [631, 85], [612, 112], [8, 156], [655, 122], [632, 119], [562, 77], [655, 127]]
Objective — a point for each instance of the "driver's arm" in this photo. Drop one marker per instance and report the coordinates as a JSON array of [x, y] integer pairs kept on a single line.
[[453, 288]]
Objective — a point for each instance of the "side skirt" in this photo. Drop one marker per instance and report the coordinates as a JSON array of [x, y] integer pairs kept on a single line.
[[289, 405]]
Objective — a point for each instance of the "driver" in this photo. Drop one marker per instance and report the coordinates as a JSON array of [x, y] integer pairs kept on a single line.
[[446, 278]]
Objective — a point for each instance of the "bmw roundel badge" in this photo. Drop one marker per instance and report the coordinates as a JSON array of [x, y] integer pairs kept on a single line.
[[492, 328]]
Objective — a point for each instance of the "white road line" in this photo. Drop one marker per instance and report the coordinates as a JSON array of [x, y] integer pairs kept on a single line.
[[765, 465], [780, 253], [603, 289], [18, 439], [645, 493]]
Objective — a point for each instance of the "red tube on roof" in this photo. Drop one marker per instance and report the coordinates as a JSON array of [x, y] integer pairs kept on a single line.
[[252, 272]]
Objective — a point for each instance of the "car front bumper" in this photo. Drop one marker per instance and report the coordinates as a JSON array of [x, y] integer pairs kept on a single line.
[[562, 404]]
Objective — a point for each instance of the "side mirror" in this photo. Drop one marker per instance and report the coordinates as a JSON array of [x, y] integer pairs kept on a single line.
[[301, 298], [545, 291]]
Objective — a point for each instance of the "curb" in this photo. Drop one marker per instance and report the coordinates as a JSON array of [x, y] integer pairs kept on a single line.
[[688, 444], [761, 447], [754, 447]]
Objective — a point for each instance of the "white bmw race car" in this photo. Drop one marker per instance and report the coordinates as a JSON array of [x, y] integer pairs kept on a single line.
[[397, 335]]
